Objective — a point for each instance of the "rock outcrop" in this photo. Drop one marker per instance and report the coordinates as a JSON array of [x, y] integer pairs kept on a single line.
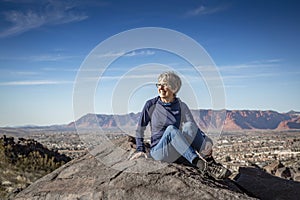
[[107, 173], [89, 177], [278, 169]]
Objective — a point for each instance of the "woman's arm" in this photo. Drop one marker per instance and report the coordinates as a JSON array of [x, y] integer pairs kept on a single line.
[[142, 124]]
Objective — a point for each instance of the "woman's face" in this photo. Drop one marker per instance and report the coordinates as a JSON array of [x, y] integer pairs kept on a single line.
[[164, 90]]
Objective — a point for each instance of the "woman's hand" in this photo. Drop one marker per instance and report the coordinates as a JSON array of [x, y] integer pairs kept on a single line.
[[139, 155]]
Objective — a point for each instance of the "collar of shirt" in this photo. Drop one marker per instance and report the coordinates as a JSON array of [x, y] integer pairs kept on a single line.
[[167, 104]]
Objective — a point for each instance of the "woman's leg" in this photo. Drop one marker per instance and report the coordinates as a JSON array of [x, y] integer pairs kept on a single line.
[[172, 145], [203, 145], [196, 138]]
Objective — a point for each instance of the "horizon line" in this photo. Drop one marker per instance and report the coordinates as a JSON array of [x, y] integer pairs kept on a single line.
[[72, 121]]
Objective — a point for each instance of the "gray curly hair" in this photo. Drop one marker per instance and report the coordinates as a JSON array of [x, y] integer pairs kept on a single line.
[[172, 79]]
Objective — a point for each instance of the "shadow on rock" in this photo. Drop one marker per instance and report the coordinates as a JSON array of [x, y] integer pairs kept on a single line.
[[263, 185]]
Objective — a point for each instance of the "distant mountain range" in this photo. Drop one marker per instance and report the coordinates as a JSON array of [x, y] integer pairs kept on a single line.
[[229, 119]]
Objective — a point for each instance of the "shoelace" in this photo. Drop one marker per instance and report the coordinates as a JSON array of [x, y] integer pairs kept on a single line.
[[216, 170]]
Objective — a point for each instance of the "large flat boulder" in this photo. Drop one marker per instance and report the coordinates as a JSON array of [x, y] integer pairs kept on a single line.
[[107, 173]]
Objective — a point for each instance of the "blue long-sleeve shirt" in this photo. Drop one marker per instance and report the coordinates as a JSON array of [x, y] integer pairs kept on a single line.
[[160, 115]]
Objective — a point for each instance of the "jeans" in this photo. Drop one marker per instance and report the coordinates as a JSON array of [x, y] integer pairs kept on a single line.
[[175, 143]]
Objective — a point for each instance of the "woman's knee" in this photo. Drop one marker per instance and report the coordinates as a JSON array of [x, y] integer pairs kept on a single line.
[[172, 132], [190, 127], [171, 128]]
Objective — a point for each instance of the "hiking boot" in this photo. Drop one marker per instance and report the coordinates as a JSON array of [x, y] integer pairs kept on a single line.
[[201, 164], [210, 160], [218, 171]]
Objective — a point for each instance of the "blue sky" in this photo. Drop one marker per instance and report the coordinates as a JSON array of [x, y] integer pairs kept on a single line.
[[254, 44]]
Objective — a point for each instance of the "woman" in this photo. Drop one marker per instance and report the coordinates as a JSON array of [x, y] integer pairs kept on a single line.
[[174, 133]]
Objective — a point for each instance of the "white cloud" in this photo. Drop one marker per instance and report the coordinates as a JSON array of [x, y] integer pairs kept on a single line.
[[261, 64], [249, 76], [31, 83], [60, 69], [140, 53], [110, 54], [129, 54], [24, 73], [39, 58], [205, 10], [136, 76], [47, 13], [49, 57], [117, 78], [251, 70]]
